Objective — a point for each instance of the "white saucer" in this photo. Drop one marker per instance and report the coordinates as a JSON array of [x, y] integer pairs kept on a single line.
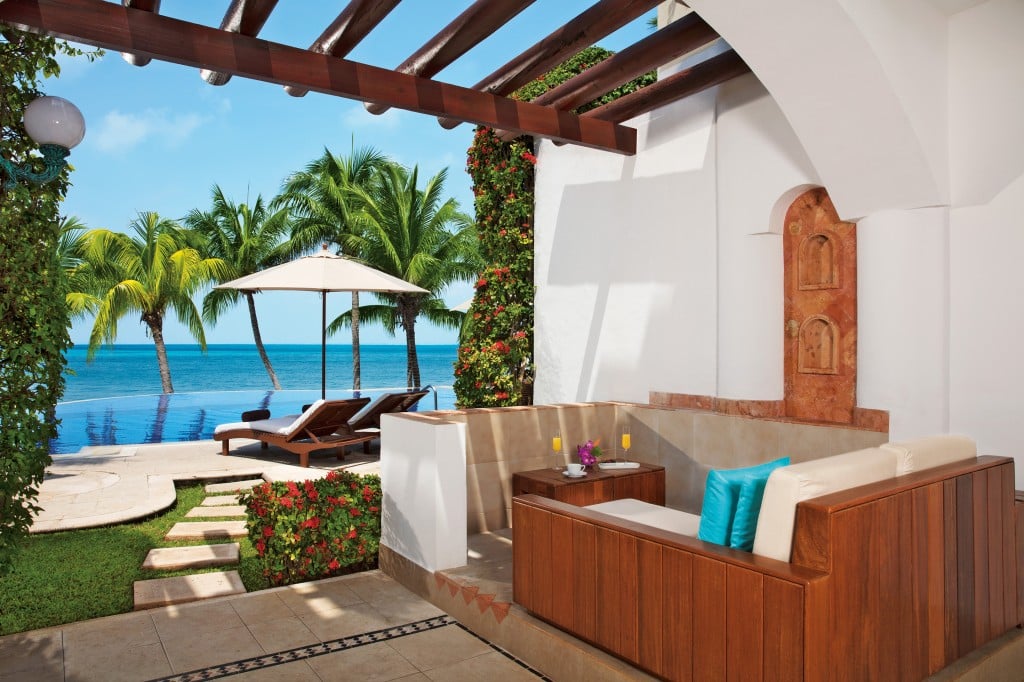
[[568, 475]]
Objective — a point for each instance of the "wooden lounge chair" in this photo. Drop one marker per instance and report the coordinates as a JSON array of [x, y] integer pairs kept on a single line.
[[368, 419], [325, 424]]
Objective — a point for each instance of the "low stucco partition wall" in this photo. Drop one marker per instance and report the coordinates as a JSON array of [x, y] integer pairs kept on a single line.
[[453, 469]]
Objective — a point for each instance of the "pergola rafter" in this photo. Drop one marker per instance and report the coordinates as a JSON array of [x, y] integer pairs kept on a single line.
[[138, 30]]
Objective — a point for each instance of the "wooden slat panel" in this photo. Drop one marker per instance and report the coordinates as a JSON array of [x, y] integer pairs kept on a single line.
[[783, 631], [994, 525], [523, 539], [1010, 565], [627, 595], [855, 590], [965, 599], [584, 609], [744, 605], [677, 637], [936, 581], [979, 516], [709, 598], [912, 646], [540, 565], [884, 637], [817, 632], [652, 601], [951, 563], [1019, 524], [563, 579], [591, 492], [608, 617], [112, 27]]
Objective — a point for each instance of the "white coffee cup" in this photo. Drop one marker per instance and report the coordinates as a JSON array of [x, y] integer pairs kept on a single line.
[[575, 469]]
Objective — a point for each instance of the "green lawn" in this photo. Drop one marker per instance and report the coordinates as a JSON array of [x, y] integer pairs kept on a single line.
[[76, 575]]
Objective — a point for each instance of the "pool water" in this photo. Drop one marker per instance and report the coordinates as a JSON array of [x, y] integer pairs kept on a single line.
[[180, 417]]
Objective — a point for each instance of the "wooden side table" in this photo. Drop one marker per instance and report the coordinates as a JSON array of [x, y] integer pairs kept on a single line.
[[646, 483]]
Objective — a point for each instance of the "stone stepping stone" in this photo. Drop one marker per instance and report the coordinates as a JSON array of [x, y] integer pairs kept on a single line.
[[204, 530], [186, 588], [233, 486], [207, 512], [198, 556], [218, 500]]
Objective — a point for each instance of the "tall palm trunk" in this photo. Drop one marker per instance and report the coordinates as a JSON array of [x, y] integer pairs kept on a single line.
[[259, 341], [407, 310], [357, 378], [155, 322]]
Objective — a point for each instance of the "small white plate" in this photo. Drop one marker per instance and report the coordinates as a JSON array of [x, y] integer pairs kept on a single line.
[[568, 475]]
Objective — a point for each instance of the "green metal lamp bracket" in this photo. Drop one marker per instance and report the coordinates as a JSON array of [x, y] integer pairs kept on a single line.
[[53, 159]]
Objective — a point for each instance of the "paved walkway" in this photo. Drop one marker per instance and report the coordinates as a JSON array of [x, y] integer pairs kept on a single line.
[[364, 626], [359, 627], [115, 484]]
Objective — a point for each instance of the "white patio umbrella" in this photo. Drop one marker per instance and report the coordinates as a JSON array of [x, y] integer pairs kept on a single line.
[[323, 272]]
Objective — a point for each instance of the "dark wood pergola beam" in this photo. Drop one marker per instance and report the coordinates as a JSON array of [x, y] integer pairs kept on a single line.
[[145, 6], [465, 31], [591, 25], [245, 17], [697, 78], [113, 27], [658, 49], [347, 30]]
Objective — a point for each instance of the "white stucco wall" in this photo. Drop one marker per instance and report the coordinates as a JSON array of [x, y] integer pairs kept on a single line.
[[654, 273]]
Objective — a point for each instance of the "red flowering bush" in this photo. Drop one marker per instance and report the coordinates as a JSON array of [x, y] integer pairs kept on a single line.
[[495, 361], [315, 529]]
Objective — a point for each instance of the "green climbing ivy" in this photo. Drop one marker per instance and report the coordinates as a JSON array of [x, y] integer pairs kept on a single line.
[[495, 359], [34, 332]]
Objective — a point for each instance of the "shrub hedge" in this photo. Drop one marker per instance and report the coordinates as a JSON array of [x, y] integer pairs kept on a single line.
[[315, 529]]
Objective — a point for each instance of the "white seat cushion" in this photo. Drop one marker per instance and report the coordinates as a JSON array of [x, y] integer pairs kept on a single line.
[[795, 483], [273, 425], [650, 515], [925, 453]]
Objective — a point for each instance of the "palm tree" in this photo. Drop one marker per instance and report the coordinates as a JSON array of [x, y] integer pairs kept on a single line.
[[247, 240], [147, 272], [414, 235], [81, 292], [322, 207]]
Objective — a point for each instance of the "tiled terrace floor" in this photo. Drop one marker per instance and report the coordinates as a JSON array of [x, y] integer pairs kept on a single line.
[[359, 627]]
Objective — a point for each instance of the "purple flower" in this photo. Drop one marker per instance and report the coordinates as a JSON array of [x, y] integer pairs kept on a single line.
[[588, 452]]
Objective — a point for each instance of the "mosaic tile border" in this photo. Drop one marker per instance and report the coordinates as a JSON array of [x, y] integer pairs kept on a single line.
[[342, 644]]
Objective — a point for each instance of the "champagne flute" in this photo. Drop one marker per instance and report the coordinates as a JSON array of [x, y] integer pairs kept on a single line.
[[626, 442], [556, 446]]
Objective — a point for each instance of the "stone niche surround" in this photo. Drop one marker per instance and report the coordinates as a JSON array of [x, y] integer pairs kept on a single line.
[[687, 442]]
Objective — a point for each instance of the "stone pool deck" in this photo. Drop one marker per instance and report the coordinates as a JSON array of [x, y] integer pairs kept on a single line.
[[106, 485]]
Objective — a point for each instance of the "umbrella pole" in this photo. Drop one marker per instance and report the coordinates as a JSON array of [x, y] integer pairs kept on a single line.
[[323, 346]]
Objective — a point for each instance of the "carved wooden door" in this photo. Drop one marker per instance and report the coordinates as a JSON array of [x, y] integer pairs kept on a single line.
[[820, 329]]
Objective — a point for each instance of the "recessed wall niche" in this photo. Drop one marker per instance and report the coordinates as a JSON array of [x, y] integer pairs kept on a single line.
[[818, 262], [819, 346]]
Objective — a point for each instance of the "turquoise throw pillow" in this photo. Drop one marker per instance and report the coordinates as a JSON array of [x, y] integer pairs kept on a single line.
[[721, 501], [748, 505]]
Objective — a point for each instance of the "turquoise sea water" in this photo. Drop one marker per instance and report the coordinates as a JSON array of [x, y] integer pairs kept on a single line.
[[116, 399]]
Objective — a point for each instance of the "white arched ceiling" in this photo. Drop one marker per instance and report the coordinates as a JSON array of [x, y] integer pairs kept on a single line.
[[862, 83]]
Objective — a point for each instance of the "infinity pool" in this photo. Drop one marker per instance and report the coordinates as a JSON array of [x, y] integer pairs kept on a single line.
[[176, 417]]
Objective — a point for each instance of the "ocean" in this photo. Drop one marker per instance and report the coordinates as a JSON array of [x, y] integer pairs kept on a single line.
[[117, 399], [125, 370]]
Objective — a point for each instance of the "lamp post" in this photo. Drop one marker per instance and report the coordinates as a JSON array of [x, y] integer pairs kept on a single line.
[[57, 125]]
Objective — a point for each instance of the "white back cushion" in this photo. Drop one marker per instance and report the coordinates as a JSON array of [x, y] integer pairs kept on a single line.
[[933, 451], [301, 420], [798, 482]]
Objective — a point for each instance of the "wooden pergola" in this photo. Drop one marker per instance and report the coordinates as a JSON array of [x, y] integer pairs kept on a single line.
[[137, 29]]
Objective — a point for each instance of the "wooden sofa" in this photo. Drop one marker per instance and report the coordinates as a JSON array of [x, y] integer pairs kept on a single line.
[[895, 579]]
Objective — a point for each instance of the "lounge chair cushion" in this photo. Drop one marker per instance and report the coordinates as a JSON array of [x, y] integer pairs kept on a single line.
[[925, 453], [284, 426], [651, 515], [721, 496], [789, 485]]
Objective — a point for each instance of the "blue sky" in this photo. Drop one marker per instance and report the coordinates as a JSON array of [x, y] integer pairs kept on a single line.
[[158, 138]]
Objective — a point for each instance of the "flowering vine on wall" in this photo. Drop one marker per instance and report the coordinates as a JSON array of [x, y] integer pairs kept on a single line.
[[495, 360]]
